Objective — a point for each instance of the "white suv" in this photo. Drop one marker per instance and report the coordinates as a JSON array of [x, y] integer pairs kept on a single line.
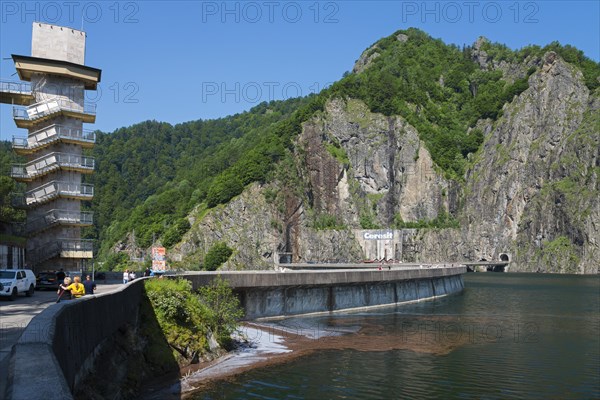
[[15, 281]]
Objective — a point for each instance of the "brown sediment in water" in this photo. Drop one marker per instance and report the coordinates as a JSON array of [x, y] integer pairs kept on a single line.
[[436, 335]]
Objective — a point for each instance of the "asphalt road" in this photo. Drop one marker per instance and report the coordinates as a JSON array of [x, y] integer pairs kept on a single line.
[[15, 315]]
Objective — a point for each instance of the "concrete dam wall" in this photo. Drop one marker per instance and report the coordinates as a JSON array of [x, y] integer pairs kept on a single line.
[[58, 346], [266, 294]]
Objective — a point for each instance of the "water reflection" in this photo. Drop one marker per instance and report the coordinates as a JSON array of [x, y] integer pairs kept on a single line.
[[505, 336]]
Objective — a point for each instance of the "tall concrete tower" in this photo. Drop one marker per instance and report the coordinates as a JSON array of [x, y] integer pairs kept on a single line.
[[50, 105]]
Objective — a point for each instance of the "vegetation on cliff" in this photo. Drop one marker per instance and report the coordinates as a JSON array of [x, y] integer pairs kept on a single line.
[[190, 321]]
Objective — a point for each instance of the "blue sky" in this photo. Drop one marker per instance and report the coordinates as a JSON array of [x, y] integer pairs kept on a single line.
[[188, 60]]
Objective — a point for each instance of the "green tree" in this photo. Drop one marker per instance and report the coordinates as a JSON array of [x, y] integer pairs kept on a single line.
[[176, 232], [216, 256], [183, 318], [224, 309], [224, 188]]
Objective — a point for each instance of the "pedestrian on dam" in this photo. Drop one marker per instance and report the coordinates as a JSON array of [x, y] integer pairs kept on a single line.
[[64, 294], [76, 288], [126, 276], [89, 285], [132, 276]]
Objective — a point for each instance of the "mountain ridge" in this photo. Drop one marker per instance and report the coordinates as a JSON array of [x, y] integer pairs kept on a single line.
[[388, 116]]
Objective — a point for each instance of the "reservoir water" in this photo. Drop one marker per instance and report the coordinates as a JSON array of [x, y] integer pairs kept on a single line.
[[521, 336]]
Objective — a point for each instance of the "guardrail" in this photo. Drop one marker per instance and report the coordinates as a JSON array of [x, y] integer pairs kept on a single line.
[[15, 87], [51, 162], [51, 134], [65, 217], [51, 106], [54, 189], [55, 248]]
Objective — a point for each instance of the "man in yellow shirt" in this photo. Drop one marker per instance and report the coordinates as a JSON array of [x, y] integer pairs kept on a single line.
[[77, 289]]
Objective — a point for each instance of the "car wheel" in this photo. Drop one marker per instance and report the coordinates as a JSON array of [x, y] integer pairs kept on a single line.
[[30, 291], [14, 294]]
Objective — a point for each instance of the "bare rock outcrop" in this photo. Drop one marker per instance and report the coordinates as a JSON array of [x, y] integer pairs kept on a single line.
[[534, 193]]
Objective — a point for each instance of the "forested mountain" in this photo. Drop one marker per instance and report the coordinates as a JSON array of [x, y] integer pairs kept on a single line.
[[420, 134], [151, 175]]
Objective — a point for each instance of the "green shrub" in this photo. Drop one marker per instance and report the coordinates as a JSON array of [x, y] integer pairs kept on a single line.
[[181, 316], [116, 262], [218, 254], [224, 309], [367, 222], [187, 318], [338, 153], [328, 221], [176, 232], [224, 188]]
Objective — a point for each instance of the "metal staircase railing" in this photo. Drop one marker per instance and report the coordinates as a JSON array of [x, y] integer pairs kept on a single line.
[[52, 134], [15, 87], [52, 190], [54, 249], [60, 217], [49, 107], [51, 162]]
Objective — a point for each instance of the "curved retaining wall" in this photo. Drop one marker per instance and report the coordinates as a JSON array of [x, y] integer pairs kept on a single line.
[[266, 294], [59, 342]]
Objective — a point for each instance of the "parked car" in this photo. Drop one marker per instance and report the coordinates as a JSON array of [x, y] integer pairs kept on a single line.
[[15, 281], [47, 280]]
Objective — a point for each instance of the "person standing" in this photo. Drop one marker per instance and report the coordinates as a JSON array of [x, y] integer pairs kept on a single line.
[[77, 289], [89, 285], [126, 276], [64, 294]]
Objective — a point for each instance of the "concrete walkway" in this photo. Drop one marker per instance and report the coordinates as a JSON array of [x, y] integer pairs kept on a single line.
[[16, 315]]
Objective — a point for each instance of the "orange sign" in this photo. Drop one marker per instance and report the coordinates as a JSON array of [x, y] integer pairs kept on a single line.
[[159, 259]]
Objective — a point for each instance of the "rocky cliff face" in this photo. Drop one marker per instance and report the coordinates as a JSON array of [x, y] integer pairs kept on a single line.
[[531, 192], [382, 169]]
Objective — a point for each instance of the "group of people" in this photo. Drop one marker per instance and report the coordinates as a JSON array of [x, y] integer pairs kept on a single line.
[[128, 276], [74, 289]]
